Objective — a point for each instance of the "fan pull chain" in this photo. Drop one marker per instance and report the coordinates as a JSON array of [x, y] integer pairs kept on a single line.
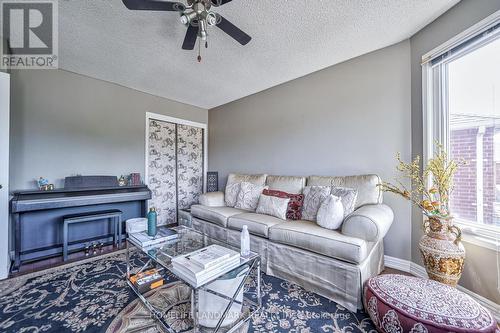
[[199, 51]]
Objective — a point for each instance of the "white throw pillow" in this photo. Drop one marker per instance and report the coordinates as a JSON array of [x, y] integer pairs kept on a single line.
[[330, 213], [273, 206], [348, 196], [248, 196], [313, 197], [231, 194]]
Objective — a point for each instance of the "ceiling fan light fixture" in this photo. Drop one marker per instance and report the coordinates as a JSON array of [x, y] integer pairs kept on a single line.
[[186, 18], [203, 30], [211, 18], [196, 17]]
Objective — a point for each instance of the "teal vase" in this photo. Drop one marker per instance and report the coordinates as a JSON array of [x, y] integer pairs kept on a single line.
[[152, 216]]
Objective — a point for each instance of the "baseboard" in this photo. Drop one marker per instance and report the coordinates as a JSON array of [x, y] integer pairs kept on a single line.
[[419, 271], [396, 263]]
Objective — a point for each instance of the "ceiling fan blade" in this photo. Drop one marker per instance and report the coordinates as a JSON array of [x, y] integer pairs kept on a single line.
[[218, 3], [233, 31], [154, 5], [190, 39]]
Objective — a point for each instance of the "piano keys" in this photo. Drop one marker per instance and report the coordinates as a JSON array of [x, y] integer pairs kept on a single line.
[[38, 217]]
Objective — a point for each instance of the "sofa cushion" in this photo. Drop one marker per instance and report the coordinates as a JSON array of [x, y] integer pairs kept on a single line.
[[348, 196], [231, 194], [217, 215], [294, 209], [214, 199], [248, 197], [233, 185], [308, 235], [289, 184], [273, 206], [368, 191], [330, 213], [239, 178], [313, 197], [258, 224]]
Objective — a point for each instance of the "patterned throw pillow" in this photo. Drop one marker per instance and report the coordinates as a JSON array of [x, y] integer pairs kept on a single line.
[[331, 213], [273, 205], [231, 194], [248, 197], [313, 197], [348, 196], [294, 210]]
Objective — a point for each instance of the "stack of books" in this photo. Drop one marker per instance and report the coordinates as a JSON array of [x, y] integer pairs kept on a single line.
[[164, 234], [201, 266], [148, 280]]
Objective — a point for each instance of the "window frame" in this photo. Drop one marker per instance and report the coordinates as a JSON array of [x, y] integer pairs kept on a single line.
[[435, 116]]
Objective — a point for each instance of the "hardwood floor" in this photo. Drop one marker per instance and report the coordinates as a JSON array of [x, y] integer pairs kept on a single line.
[[388, 270], [58, 261]]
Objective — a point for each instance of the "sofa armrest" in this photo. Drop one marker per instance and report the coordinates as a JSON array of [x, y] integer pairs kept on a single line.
[[212, 199], [369, 222]]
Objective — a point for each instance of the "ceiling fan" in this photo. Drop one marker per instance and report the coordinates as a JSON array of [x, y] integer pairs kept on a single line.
[[197, 16]]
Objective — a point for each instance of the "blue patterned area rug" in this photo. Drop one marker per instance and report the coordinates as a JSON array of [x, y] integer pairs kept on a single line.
[[92, 296]]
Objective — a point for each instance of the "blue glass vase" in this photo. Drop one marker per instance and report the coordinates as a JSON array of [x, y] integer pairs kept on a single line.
[[152, 216]]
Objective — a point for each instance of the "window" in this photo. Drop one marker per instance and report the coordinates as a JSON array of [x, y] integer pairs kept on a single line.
[[462, 112], [474, 127]]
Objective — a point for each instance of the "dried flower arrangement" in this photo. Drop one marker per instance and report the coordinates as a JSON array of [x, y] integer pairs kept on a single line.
[[433, 200]]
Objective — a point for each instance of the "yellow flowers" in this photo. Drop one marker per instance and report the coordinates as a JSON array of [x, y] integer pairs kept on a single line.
[[427, 205], [438, 172]]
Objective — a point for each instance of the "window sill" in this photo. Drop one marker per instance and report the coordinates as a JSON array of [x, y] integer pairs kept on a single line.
[[484, 236]]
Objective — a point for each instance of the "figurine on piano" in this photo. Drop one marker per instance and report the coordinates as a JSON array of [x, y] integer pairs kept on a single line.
[[43, 184]]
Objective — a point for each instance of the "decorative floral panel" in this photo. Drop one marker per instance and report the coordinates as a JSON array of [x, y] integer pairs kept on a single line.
[[189, 165], [161, 170]]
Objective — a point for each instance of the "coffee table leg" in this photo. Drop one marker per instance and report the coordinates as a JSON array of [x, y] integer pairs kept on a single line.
[[128, 259], [194, 310]]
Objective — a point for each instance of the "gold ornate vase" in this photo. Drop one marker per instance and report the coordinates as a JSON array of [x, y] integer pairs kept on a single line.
[[442, 250]]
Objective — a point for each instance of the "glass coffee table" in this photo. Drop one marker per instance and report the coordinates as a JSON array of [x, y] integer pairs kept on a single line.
[[222, 304]]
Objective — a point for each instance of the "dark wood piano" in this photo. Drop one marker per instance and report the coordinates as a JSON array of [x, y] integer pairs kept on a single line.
[[38, 215]]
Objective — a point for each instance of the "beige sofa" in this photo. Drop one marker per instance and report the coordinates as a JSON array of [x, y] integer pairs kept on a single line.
[[332, 263]]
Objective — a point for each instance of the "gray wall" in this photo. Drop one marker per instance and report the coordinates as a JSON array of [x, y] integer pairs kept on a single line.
[[3, 46], [348, 119], [64, 124], [481, 274]]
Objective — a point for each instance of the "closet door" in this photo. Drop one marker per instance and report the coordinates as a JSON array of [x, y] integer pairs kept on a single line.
[[189, 165], [162, 177]]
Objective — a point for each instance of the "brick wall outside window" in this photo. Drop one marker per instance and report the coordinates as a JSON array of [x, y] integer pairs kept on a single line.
[[463, 203]]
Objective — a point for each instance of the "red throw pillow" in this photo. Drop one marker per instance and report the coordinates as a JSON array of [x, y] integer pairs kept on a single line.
[[294, 210]]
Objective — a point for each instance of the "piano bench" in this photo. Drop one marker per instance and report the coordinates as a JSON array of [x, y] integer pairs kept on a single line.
[[114, 216]]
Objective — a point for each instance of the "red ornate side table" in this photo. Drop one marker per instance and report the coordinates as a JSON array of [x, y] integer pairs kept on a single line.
[[404, 304]]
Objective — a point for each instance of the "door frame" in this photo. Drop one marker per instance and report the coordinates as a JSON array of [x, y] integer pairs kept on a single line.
[[4, 176], [178, 121]]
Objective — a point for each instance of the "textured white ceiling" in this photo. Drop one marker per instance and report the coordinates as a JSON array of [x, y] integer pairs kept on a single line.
[[291, 38]]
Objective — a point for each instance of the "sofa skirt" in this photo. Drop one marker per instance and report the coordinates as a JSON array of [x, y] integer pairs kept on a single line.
[[334, 279], [337, 280]]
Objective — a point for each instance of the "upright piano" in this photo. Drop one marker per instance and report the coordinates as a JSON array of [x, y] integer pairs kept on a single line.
[[38, 216]]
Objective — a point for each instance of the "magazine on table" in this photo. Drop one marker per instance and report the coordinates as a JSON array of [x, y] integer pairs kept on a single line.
[[200, 266], [164, 234], [211, 256], [200, 277]]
